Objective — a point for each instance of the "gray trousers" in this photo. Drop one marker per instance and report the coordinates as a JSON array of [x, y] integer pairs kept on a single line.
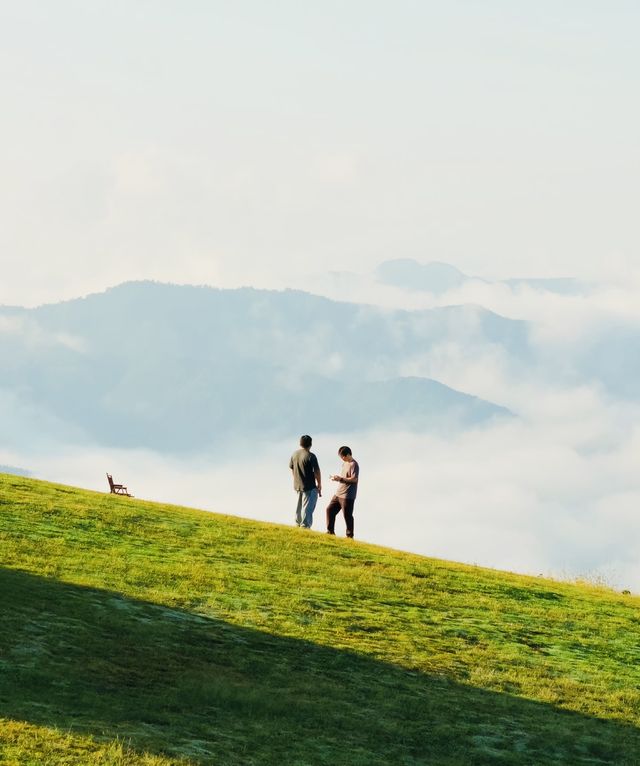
[[307, 500]]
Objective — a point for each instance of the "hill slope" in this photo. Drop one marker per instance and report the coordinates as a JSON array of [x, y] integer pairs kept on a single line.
[[137, 633]]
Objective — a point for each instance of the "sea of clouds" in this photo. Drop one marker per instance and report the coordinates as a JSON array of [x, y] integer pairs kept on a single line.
[[516, 496], [553, 491]]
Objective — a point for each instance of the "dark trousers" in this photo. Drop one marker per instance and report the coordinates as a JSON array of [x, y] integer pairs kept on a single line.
[[336, 505]]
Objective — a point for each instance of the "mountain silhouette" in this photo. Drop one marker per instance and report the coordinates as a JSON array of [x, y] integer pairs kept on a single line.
[[179, 368]]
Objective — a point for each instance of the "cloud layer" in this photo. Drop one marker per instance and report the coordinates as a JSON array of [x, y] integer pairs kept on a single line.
[[554, 491], [549, 495]]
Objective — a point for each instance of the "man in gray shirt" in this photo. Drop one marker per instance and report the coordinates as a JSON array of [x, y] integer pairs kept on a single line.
[[307, 481]]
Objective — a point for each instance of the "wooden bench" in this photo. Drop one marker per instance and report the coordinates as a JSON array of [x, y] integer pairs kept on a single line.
[[117, 489]]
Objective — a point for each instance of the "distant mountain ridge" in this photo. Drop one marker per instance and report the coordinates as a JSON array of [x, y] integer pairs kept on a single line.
[[13, 471], [439, 278], [179, 368]]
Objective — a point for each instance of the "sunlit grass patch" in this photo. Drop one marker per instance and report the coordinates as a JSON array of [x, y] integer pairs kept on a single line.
[[135, 630]]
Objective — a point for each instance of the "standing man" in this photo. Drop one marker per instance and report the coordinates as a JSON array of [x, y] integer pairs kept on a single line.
[[307, 481], [345, 495]]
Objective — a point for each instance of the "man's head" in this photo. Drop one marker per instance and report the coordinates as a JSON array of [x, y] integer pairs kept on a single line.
[[345, 453], [305, 441]]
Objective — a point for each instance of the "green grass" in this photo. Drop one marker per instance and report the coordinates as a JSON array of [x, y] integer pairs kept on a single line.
[[138, 633]]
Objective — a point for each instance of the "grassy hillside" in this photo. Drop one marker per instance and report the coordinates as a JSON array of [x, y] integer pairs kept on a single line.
[[137, 633]]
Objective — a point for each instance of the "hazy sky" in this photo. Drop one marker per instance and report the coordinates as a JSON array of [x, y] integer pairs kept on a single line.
[[246, 142]]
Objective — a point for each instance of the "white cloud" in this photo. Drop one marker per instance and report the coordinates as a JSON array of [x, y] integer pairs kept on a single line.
[[553, 491], [27, 330], [11, 325]]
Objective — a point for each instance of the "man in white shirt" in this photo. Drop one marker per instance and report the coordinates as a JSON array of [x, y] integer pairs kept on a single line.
[[345, 495]]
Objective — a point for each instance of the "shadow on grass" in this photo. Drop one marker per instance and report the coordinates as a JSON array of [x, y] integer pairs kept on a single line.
[[171, 682]]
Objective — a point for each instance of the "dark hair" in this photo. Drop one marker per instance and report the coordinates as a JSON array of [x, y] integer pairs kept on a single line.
[[344, 451], [305, 441]]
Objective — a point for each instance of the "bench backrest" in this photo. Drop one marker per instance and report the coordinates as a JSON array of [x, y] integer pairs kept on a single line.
[[110, 479]]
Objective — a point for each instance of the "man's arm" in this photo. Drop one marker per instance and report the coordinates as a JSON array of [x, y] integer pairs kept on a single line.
[[316, 472]]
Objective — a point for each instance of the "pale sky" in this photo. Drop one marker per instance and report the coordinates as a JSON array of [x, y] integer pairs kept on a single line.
[[252, 142]]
